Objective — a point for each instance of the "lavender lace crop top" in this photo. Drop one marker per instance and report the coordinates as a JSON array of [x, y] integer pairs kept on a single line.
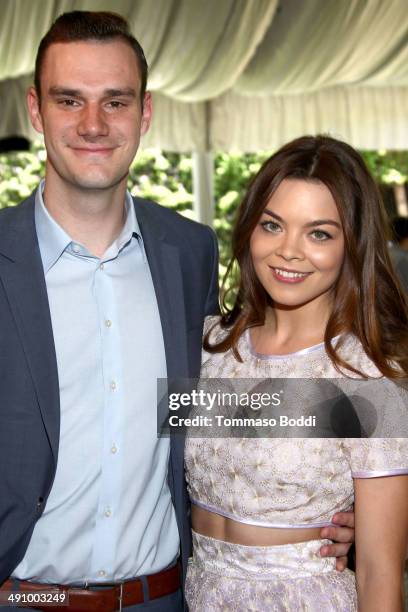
[[291, 482]]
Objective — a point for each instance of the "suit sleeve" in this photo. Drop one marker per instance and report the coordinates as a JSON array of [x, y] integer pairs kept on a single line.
[[212, 302]]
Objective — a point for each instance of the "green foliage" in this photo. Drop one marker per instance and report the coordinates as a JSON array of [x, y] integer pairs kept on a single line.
[[163, 177], [167, 179], [20, 173], [232, 174], [387, 167]]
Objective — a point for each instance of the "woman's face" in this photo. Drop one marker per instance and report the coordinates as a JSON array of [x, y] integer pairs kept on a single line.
[[297, 247]]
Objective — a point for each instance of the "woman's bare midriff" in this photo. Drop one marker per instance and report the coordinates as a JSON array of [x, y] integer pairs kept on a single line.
[[221, 528]]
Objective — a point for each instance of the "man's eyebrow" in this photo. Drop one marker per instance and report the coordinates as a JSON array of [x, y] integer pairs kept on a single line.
[[116, 93], [64, 91], [310, 224], [77, 93]]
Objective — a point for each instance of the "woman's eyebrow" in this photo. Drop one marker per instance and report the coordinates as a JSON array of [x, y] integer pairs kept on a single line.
[[309, 224], [274, 215], [323, 222]]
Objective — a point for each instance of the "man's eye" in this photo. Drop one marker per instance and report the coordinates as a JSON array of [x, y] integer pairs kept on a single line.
[[271, 226], [115, 104], [320, 235], [67, 102]]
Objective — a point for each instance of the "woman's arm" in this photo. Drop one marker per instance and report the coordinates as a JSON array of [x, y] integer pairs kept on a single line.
[[381, 518]]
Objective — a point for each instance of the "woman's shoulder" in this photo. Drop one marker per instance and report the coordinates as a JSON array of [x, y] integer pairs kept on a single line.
[[351, 350], [219, 363], [212, 326], [381, 402]]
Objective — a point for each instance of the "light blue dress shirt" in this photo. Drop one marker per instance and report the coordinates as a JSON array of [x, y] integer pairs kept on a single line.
[[109, 516]]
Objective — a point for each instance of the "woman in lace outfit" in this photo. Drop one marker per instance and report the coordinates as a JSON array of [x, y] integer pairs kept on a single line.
[[317, 299]]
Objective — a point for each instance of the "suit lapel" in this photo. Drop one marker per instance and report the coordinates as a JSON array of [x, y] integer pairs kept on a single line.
[[22, 276], [21, 273], [164, 263]]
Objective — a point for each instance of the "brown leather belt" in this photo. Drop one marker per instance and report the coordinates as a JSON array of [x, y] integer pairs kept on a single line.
[[106, 599]]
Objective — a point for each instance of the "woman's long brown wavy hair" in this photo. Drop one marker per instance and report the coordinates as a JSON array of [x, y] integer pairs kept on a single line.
[[369, 301]]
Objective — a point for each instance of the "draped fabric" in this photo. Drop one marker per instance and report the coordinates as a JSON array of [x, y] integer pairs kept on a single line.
[[366, 117], [312, 44], [245, 74]]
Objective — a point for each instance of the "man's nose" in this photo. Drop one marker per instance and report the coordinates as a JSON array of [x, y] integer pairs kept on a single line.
[[289, 246], [93, 122]]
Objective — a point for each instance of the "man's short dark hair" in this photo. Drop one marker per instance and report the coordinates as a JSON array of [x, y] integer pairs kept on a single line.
[[99, 26]]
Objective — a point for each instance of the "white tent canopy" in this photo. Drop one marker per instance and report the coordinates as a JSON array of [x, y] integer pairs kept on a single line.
[[244, 74]]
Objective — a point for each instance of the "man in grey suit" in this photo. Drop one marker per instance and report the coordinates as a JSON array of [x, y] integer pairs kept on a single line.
[[100, 295]]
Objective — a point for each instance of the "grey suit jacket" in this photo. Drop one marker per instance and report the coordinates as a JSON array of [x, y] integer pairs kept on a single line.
[[183, 261]]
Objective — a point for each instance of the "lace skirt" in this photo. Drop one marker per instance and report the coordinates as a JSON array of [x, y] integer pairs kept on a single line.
[[292, 577]]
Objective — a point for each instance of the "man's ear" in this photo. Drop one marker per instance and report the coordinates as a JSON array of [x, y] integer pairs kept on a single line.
[[146, 112], [33, 104]]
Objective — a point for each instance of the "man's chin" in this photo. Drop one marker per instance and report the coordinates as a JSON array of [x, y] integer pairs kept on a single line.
[[95, 183]]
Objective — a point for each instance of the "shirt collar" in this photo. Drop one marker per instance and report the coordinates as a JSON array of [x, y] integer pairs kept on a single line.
[[53, 240], [131, 227]]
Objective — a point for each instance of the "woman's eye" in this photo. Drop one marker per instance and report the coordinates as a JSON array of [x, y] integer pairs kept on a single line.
[[271, 226], [320, 235]]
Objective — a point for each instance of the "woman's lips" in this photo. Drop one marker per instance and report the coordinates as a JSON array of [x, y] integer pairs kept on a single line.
[[289, 276]]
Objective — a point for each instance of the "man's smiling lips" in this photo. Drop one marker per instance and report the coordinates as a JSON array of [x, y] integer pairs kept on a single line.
[[93, 150], [284, 275]]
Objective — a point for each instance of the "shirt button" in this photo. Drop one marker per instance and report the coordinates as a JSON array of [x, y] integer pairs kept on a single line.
[[114, 449], [101, 573], [108, 512], [76, 248], [108, 323], [101, 267], [113, 385]]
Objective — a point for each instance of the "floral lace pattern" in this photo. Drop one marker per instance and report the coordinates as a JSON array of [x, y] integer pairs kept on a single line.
[[281, 483], [285, 481], [293, 577]]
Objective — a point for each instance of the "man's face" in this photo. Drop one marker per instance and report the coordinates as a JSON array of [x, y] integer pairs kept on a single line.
[[90, 113]]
